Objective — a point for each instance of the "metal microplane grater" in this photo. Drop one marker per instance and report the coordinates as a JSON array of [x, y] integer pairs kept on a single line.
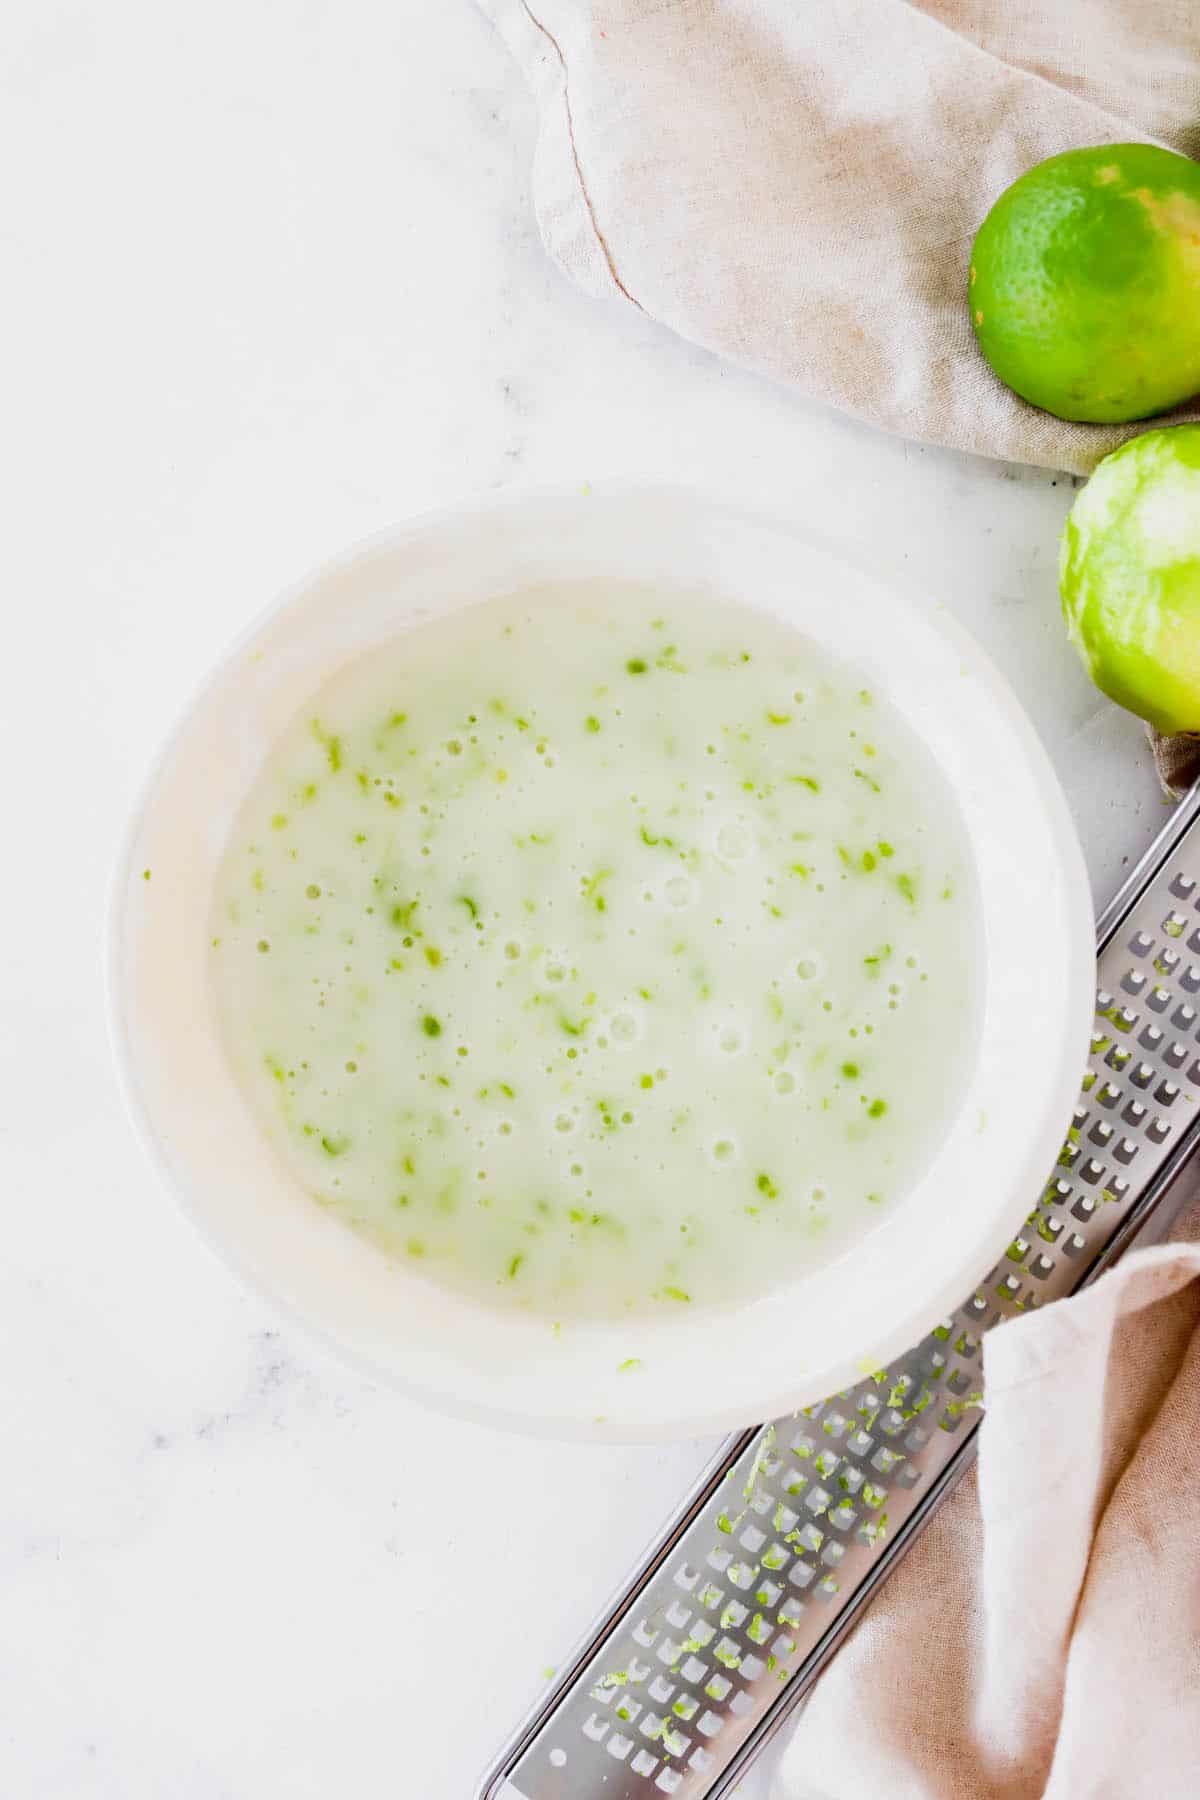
[[743, 1600]]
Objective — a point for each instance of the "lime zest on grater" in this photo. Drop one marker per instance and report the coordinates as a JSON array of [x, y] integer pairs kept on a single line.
[[740, 1604]]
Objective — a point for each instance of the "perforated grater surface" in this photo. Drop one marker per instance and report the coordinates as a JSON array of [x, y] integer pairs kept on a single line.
[[740, 1604]]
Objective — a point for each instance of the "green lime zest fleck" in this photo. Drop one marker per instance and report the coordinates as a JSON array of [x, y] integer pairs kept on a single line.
[[571, 1029], [278, 821], [646, 1081], [850, 1070], [403, 915], [631, 1362], [885, 849], [636, 666], [808, 781], [589, 888], [908, 887], [430, 1026], [471, 904], [766, 1186], [774, 718], [332, 746], [514, 1265], [334, 1146], [415, 1247], [145, 874], [591, 723], [433, 957], [877, 1109], [676, 1293]]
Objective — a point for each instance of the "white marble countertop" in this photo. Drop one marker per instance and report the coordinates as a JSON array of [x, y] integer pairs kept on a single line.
[[271, 282]]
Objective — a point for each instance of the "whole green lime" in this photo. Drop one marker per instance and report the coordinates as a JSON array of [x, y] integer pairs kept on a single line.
[[1129, 575], [1085, 283]]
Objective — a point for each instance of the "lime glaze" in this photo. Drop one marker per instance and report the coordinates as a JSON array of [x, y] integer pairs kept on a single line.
[[598, 952]]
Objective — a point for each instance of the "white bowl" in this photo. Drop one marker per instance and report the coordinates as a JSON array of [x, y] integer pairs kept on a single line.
[[697, 1373]]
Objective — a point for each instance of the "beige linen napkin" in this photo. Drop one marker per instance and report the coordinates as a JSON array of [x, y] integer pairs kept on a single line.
[[796, 184], [1043, 1636], [1177, 759]]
